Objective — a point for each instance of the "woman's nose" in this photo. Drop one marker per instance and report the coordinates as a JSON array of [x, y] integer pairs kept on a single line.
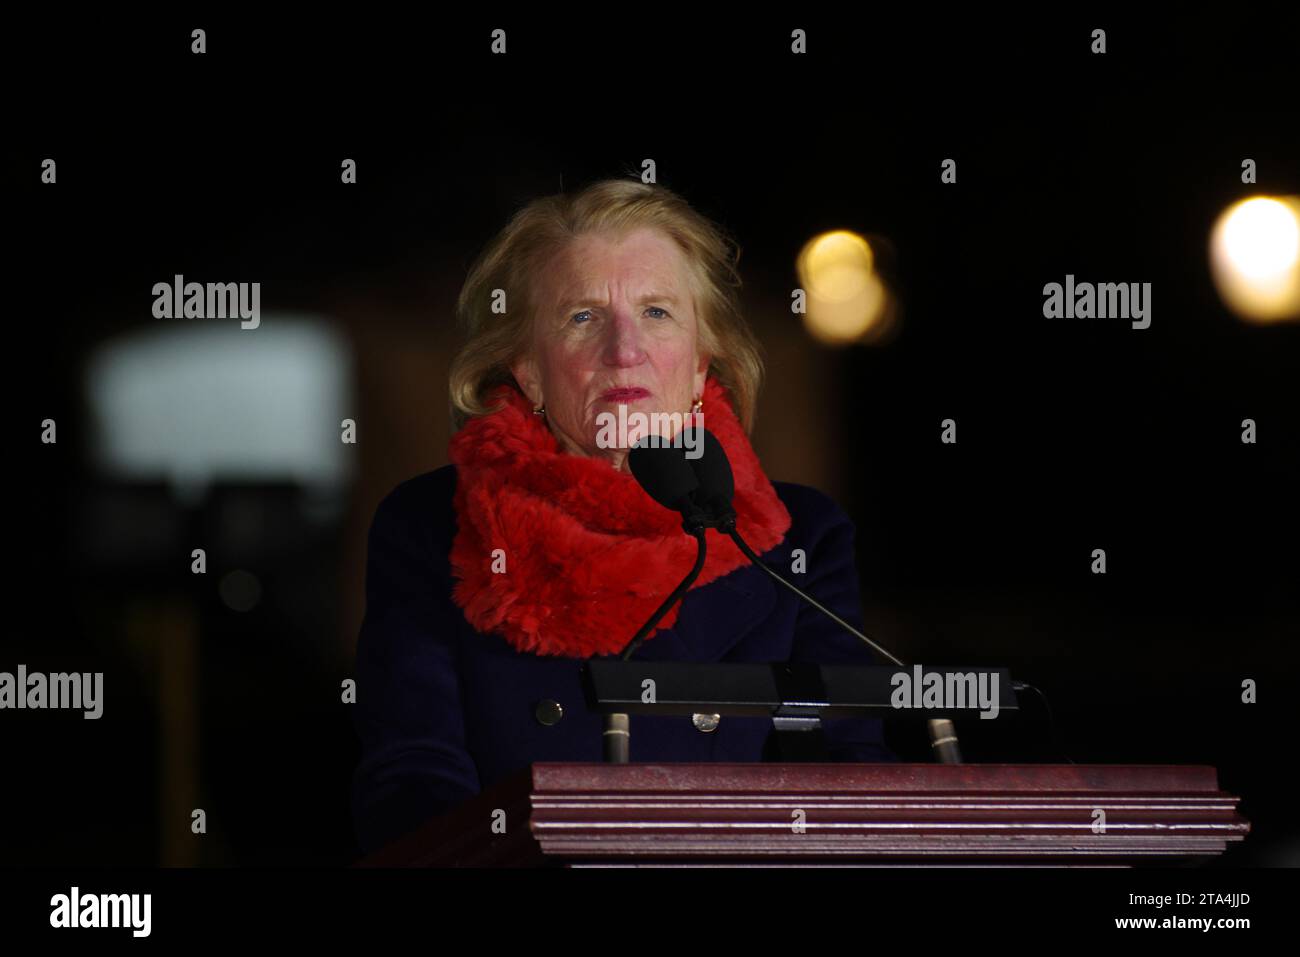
[[623, 340]]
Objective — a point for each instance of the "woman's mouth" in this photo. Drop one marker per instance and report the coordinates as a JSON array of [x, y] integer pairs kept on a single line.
[[627, 394]]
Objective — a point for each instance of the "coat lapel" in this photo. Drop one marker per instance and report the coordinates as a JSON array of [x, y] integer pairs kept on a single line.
[[714, 618]]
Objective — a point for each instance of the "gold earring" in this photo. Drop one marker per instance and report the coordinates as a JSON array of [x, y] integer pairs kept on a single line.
[[540, 410], [697, 406]]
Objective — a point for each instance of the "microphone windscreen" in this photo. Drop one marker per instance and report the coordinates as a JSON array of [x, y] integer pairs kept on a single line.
[[663, 472], [712, 470]]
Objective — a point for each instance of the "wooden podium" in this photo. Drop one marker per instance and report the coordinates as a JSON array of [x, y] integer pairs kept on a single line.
[[799, 815]]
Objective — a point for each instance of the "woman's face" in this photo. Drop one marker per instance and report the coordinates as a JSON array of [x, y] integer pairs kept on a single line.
[[615, 325]]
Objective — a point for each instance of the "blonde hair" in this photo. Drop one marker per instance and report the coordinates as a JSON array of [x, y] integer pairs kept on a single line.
[[514, 258]]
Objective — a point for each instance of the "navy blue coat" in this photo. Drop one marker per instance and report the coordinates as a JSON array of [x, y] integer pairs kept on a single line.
[[443, 711]]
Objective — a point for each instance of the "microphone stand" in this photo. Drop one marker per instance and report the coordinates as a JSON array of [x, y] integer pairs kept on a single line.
[[617, 734], [943, 735]]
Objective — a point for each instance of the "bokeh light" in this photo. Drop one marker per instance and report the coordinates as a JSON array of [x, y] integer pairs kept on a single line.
[[1255, 258], [847, 301]]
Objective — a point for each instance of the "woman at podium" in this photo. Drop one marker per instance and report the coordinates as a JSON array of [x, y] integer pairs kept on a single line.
[[592, 319]]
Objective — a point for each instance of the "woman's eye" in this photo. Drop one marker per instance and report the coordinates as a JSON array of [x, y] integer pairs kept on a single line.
[[578, 318]]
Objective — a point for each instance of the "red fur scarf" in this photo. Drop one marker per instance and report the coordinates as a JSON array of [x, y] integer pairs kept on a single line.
[[588, 555]]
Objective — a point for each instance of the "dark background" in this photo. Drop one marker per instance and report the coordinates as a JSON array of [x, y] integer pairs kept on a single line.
[[1072, 435]]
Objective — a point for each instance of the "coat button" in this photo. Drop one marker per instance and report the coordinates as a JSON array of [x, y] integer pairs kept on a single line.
[[706, 722], [549, 711]]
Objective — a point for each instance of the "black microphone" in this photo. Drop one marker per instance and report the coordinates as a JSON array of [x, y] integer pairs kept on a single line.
[[712, 471], [667, 478], [664, 475], [670, 481], [715, 492]]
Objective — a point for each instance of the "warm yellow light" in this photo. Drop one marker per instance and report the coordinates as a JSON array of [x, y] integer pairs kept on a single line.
[[845, 298], [835, 266], [1261, 237], [1255, 257], [835, 323]]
